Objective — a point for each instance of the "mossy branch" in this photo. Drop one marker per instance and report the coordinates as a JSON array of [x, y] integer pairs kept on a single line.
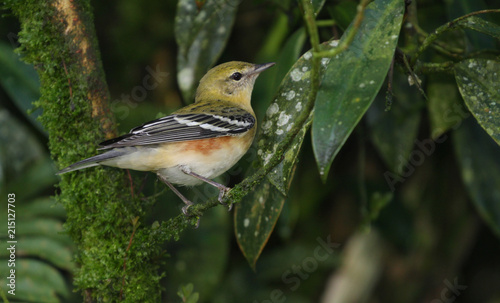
[[58, 38]]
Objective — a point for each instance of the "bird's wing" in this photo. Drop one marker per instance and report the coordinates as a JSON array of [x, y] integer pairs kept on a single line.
[[184, 127]]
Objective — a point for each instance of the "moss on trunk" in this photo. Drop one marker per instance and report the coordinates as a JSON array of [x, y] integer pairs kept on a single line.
[[58, 38]]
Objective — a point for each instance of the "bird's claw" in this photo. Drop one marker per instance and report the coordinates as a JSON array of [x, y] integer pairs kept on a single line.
[[187, 214], [223, 191]]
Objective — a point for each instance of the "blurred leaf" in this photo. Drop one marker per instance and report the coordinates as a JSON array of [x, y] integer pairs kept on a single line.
[[185, 292], [289, 55], [394, 132], [270, 80], [45, 227], [480, 25], [35, 226], [445, 107], [458, 8], [277, 33], [43, 207], [479, 84], [202, 257], [479, 158], [201, 36], [266, 201], [343, 13], [317, 5], [40, 175], [21, 83], [35, 281], [279, 260], [353, 79], [44, 248], [18, 148]]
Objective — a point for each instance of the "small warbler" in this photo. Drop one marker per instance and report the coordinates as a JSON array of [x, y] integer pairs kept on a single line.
[[195, 143]]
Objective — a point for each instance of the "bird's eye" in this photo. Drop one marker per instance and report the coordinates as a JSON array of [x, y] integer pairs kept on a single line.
[[236, 76]]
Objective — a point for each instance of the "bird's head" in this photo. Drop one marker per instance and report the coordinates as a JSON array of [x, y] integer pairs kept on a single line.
[[231, 81]]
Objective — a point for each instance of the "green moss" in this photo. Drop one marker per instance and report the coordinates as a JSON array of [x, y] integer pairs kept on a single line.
[[98, 202]]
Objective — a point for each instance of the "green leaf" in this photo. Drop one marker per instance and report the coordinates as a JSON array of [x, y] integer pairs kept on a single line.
[[479, 84], [185, 292], [353, 79], [479, 158], [291, 97], [40, 175], [394, 132], [36, 226], [256, 216], [44, 248], [458, 8], [480, 25], [35, 281], [201, 35], [44, 206], [268, 82], [21, 83], [446, 110], [19, 149], [288, 56]]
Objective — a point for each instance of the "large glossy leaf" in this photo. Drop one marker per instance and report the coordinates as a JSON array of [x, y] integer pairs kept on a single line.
[[394, 132], [201, 34], [353, 79], [479, 84], [256, 216], [21, 83], [479, 158]]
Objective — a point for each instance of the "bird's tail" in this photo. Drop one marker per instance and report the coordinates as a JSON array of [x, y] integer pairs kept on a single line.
[[93, 161]]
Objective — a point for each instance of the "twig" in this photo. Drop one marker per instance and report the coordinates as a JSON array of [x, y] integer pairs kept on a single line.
[[444, 28], [344, 44], [134, 228], [389, 94], [69, 80]]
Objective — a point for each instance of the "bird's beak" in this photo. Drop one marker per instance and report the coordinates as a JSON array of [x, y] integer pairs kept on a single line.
[[261, 67]]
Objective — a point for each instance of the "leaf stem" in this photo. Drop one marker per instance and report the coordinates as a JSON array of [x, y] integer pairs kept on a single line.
[[444, 28], [344, 43]]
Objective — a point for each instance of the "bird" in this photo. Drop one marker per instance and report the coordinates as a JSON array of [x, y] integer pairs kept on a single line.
[[196, 143]]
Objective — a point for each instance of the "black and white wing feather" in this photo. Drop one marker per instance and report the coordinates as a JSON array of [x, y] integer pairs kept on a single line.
[[184, 127]]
